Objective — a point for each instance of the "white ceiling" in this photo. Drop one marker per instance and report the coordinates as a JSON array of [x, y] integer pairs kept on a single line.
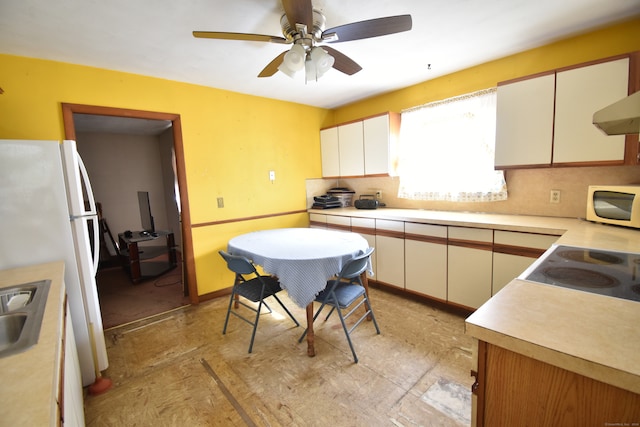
[[153, 37]]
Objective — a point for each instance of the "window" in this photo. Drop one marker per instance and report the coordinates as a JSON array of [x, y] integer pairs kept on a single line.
[[447, 151]]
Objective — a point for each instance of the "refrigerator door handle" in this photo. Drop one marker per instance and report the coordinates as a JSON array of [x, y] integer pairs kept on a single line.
[[87, 185], [96, 245], [77, 178]]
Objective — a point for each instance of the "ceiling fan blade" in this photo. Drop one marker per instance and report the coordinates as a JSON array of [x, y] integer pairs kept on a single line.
[[366, 29], [239, 36], [299, 12], [342, 62], [272, 67]]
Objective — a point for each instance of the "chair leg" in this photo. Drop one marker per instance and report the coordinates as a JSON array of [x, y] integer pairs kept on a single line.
[[255, 326], [330, 313], [226, 320], [373, 317], [346, 332], [286, 310]]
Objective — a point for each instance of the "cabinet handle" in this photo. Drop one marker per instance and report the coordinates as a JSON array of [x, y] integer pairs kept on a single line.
[[475, 385]]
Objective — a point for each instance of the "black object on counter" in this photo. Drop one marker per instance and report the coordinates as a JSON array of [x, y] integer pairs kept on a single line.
[[326, 202], [367, 201]]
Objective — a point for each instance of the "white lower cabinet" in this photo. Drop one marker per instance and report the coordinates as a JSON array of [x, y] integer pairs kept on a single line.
[[317, 220], [462, 266], [469, 266], [366, 227], [426, 259], [336, 222], [514, 252], [390, 252]]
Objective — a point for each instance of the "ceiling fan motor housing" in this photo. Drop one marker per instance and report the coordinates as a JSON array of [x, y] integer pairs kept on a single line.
[[299, 31]]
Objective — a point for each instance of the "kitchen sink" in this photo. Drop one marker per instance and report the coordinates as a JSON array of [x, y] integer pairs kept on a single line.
[[11, 326], [21, 311]]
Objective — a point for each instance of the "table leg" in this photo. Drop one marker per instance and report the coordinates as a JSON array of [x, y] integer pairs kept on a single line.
[[311, 351]]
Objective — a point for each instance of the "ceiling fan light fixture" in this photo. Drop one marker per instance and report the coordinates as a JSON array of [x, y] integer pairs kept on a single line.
[[318, 62], [322, 60], [294, 59]]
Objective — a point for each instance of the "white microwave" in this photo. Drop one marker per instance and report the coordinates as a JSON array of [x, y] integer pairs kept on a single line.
[[614, 204]]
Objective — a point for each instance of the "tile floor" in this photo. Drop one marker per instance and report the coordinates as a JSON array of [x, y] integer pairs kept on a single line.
[[178, 369]]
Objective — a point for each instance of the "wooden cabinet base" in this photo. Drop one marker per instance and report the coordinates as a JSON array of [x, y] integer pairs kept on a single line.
[[515, 390]]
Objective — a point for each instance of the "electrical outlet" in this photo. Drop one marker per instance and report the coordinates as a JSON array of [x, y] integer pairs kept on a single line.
[[554, 197], [220, 202], [378, 194]]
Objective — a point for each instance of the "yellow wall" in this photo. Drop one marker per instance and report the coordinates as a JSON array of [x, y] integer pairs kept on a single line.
[[231, 141], [528, 188], [614, 40]]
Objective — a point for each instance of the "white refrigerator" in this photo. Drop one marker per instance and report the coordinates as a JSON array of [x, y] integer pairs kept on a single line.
[[44, 217]]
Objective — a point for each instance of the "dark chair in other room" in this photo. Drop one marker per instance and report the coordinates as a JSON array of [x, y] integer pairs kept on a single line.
[[342, 293], [252, 286]]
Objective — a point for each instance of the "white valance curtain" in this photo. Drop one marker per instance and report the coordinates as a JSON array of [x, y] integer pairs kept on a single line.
[[446, 150]]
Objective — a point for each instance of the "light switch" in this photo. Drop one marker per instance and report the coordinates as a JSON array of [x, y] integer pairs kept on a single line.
[[220, 202], [272, 176]]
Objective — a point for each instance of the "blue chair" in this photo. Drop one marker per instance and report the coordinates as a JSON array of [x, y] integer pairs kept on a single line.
[[254, 287], [343, 291]]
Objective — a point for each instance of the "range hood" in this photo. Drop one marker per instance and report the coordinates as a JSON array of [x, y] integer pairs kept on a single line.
[[620, 118]]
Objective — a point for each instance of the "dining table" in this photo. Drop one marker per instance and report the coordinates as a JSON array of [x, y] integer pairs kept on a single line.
[[303, 259]]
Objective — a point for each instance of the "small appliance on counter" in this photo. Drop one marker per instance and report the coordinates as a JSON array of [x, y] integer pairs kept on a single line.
[[368, 201], [611, 273], [614, 204], [343, 194]]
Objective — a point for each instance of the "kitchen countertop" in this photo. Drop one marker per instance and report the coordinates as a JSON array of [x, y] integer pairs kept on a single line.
[[29, 382], [573, 231], [593, 335]]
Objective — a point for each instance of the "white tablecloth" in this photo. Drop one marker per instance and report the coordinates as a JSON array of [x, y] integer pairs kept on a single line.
[[302, 258]]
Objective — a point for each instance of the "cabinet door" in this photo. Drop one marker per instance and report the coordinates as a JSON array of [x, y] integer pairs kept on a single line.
[[579, 93], [377, 145], [390, 252], [338, 222], [426, 259], [517, 390], [366, 227], [351, 149], [317, 220], [507, 267], [514, 252], [524, 122], [329, 152], [469, 267]]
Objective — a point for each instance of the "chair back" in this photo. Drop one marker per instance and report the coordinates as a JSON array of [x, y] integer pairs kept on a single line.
[[356, 265], [238, 264]]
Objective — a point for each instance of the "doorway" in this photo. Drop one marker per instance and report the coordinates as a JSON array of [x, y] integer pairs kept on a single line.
[[75, 114]]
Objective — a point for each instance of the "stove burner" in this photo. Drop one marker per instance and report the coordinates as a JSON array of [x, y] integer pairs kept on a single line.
[[580, 277], [590, 257]]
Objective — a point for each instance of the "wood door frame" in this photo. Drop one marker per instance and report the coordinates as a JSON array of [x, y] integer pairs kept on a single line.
[[185, 215]]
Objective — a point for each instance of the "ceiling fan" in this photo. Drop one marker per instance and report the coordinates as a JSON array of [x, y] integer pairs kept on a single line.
[[304, 27]]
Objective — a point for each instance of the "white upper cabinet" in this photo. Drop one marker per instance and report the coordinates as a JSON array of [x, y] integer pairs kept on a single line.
[[362, 148], [351, 149], [547, 119], [580, 92], [329, 152], [524, 128], [380, 144]]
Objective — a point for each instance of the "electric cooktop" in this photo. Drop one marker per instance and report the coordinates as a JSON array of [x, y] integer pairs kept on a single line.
[[615, 274]]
